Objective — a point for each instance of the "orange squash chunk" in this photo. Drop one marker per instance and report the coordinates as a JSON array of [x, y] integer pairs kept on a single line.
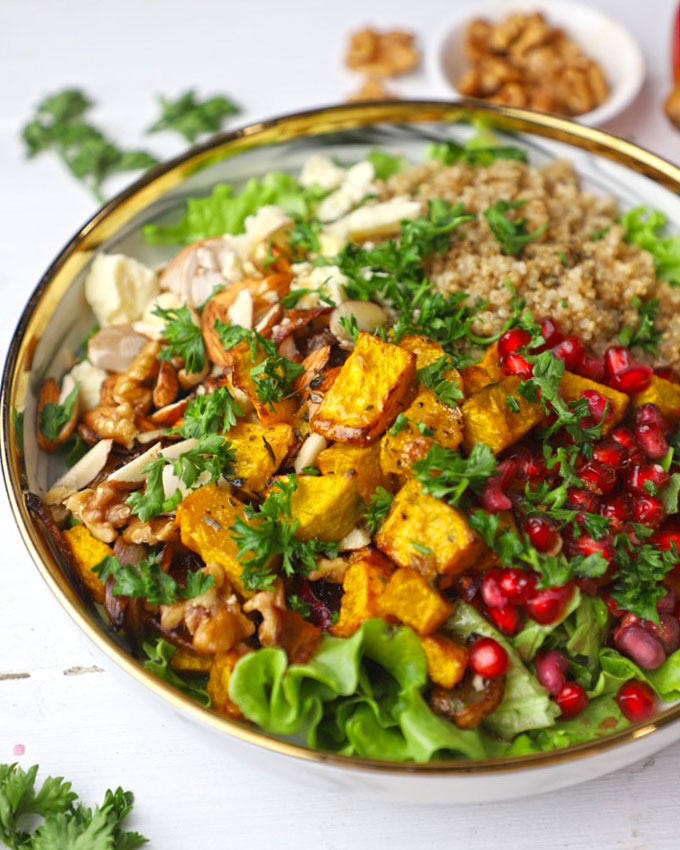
[[87, 552], [410, 598], [362, 462], [259, 451], [446, 660], [363, 583]]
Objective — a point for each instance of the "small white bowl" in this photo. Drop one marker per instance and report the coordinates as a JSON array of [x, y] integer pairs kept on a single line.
[[601, 38]]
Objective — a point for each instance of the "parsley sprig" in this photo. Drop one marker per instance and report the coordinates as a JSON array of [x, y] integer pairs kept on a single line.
[[65, 823], [641, 569], [182, 338], [377, 509], [511, 233], [210, 413], [191, 117], [645, 336], [54, 416], [433, 376], [446, 474], [273, 374], [146, 580], [268, 533]]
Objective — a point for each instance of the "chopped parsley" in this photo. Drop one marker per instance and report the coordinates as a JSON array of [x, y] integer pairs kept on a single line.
[[303, 608], [641, 569], [303, 239], [399, 424], [377, 509], [512, 234], [191, 117], [446, 474], [645, 336], [146, 580], [268, 533], [349, 324], [385, 164], [433, 376], [54, 416], [211, 413], [512, 403], [599, 234], [182, 338], [421, 548], [273, 374]]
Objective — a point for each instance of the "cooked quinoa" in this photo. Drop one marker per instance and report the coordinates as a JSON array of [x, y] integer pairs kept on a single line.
[[587, 285]]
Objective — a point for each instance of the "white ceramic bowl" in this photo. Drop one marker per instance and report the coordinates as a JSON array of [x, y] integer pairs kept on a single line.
[[601, 37], [57, 318]]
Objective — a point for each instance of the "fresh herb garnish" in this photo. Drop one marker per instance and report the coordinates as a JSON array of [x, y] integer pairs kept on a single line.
[[641, 569], [268, 533], [385, 164], [377, 510], [450, 152], [446, 474], [182, 338], [599, 234], [645, 335], [433, 376], [512, 403], [146, 580], [59, 125], [66, 824], [512, 234], [211, 413], [303, 608], [191, 117], [54, 416], [421, 548], [303, 238], [273, 374], [349, 325], [399, 424]]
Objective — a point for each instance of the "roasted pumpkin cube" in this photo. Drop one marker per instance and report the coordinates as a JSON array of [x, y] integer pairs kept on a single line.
[[373, 387], [484, 372], [87, 552], [238, 371], [326, 507], [446, 660], [664, 394], [488, 418], [362, 586], [205, 517], [427, 352], [363, 462], [572, 387], [427, 535], [186, 661], [399, 451], [218, 683], [410, 598], [259, 452]]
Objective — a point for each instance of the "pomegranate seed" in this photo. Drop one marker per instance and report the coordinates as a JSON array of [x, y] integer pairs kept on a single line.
[[584, 500], [512, 340], [616, 358], [598, 406], [618, 508], [624, 436], [610, 453], [492, 593], [530, 467], [515, 364], [612, 605], [569, 350], [666, 373], [572, 699], [505, 471], [493, 498], [667, 539], [542, 533], [597, 476], [586, 545], [488, 658], [550, 331], [667, 631], [648, 510], [631, 380], [651, 440], [508, 620], [551, 670], [648, 414], [591, 367], [636, 700], [639, 645], [638, 476], [668, 602], [548, 605], [517, 586]]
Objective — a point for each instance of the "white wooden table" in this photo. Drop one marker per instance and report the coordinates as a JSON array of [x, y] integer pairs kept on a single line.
[[72, 716]]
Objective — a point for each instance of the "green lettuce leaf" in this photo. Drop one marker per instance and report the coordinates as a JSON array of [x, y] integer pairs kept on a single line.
[[665, 680], [385, 164], [224, 211], [357, 696], [646, 228], [601, 717], [531, 638], [159, 657], [526, 703], [587, 628]]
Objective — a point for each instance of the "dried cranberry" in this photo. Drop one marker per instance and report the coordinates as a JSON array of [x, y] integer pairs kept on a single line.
[[636, 700]]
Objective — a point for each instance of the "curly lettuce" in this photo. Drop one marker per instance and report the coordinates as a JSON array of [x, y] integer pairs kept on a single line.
[[357, 696], [646, 228]]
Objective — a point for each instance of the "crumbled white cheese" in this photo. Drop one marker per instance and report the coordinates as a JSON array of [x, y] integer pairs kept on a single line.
[[357, 184], [322, 171], [118, 288], [258, 228], [380, 219], [328, 280], [90, 378]]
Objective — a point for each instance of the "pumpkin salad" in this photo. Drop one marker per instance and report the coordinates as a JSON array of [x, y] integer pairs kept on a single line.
[[321, 489]]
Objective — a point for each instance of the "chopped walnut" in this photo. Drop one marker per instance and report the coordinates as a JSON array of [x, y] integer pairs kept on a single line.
[[268, 603], [385, 54], [160, 529], [128, 389], [144, 368], [371, 89], [166, 387], [102, 509], [116, 423]]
